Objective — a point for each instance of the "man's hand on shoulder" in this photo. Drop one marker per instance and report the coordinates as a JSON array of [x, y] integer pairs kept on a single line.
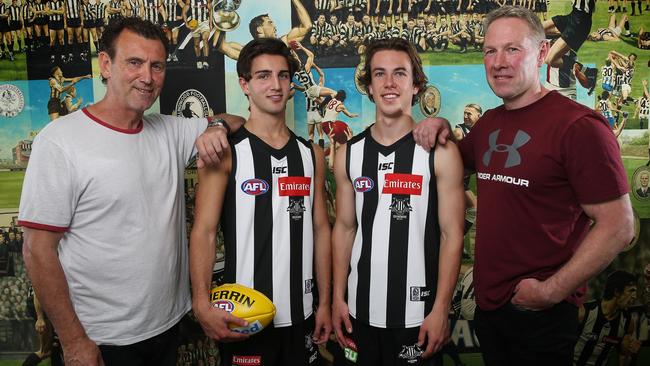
[[431, 129], [82, 352], [213, 142]]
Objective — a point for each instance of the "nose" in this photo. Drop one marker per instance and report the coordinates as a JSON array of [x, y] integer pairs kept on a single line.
[[499, 59], [146, 75], [390, 80], [276, 82]]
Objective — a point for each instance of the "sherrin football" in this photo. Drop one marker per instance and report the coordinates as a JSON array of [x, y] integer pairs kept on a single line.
[[245, 303]]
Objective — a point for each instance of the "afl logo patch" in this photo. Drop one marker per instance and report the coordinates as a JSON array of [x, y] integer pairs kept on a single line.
[[255, 187], [12, 100], [226, 305], [363, 184], [192, 103]]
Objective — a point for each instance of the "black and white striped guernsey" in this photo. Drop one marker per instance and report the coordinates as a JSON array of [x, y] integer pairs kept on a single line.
[[267, 223], [394, 261], [199, 10], [56, 5], [585, 6], [151, 10], [73, 9], [598, 335]]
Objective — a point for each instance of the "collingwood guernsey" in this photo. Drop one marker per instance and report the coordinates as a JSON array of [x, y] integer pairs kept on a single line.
[[268, 231], [395, 252]]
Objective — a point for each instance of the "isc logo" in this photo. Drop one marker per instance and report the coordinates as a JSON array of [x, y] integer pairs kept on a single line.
[[385, 166], [363, 184], [255, 187], [224, 305], [279, 169]]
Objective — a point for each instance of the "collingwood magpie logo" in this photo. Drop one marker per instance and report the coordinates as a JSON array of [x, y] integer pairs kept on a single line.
[[514, 158], [410, 353], [192, 103], [419, 293], [400, 208], [12, 100], [296, 207]]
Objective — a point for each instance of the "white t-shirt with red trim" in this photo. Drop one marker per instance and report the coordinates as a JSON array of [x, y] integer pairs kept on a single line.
[[119, 197]]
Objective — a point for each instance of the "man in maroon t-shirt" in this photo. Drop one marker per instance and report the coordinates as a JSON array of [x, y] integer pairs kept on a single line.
[[546, 167]]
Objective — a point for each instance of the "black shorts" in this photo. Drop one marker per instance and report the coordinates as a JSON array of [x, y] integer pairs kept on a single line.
[[73, 23], [29, 24], [56, 24], [382, 346], [40, 21], [173, 23], [383, 7], [99, 23], [54, 106], [574, 28], [540, 6], [4, 26], [15, 25], [287, 346], [90, 23]]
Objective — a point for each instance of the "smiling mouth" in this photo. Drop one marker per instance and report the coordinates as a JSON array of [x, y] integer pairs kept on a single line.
[[144, 91], [390, 96]]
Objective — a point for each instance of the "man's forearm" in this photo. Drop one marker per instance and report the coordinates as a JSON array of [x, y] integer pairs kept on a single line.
[[202, 257], [448, 268], [601, 245], [50, 284], [342, 241]]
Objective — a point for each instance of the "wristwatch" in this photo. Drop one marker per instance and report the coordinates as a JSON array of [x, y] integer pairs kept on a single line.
[[214, 122]]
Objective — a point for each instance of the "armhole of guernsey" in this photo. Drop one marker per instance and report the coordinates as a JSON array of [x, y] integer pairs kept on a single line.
[[348, 148]]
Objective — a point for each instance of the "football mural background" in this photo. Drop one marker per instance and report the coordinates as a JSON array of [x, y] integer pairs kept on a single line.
[[46, 72]]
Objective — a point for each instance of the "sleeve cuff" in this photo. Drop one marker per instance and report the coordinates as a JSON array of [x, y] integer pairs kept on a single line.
[[35, 225]]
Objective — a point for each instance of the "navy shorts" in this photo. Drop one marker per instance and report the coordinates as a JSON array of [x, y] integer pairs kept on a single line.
[[286, 346], [574, 28]]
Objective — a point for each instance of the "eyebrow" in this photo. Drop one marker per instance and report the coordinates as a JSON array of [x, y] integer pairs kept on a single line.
[[384, 69], [265, 71]]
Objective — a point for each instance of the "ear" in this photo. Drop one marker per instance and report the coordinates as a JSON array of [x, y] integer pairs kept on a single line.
[[243, 84], [104, 62], [543, 52]]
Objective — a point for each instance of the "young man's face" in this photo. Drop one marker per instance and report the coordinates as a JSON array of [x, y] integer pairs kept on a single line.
[[351, 19], [391, 83], [268, 88], [334, 20], [136, 74], [644, 180], [627, 297], [512, 60]]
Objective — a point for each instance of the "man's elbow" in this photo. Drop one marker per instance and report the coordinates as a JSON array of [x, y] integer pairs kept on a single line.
[[626, 231]]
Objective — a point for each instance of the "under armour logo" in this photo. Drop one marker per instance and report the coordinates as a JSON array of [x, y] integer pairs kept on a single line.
[[514, 158]]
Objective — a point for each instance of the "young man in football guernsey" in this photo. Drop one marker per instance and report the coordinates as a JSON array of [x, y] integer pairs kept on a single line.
[[606, 324], [397, 239], [103, 211], [268, 196], [545, 227]]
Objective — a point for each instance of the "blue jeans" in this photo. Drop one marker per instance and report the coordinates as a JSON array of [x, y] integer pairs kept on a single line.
[[513, 336]]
